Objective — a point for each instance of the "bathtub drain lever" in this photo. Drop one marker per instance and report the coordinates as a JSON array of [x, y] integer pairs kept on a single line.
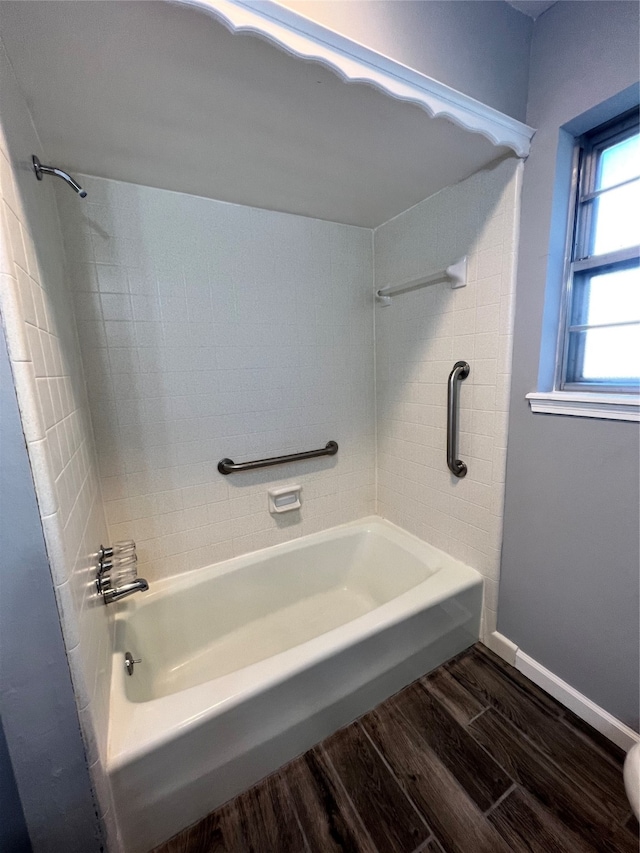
[[129, 662]]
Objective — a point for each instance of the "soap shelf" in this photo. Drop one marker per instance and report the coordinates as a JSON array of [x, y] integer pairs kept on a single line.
[[284, 499]]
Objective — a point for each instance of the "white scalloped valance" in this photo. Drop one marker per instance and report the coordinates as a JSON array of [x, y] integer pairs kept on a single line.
[[246, 102], [354, 62]]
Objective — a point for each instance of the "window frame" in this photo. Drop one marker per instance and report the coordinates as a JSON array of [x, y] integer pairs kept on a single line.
[[578, 262]]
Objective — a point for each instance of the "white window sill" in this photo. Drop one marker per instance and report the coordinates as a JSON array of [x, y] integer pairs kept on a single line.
[[612, 407]]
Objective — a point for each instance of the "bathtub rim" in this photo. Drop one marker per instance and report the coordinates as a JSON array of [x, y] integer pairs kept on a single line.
[[146, 726]]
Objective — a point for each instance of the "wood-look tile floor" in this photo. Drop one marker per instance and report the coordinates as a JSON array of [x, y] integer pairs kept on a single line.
[[472, 758]]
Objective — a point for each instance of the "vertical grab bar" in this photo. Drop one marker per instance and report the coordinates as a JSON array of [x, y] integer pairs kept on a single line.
[[460, 371]]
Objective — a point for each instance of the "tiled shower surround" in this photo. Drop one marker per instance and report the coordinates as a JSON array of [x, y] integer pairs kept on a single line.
[[418, 340], [212, 330]]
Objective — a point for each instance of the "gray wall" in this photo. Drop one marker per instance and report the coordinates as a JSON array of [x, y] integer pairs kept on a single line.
[[13, 829], [569, 583], [37, 704], [480, 47]]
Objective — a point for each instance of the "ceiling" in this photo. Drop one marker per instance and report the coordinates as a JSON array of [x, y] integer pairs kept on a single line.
[[532, 8], [164, 95]]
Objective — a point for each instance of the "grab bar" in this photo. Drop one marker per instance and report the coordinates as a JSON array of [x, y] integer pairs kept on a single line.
[[460, 371], [228, 466]]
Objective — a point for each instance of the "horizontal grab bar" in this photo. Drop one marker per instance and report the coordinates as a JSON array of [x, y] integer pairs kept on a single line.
[[228, 466]]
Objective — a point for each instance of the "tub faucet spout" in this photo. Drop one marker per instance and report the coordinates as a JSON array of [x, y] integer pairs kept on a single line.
[[138, 585]]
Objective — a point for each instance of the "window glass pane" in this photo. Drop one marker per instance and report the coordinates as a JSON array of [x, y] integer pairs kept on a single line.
[[616, 219], [607, 354], [619, 163], [603, 318], [610, 297]]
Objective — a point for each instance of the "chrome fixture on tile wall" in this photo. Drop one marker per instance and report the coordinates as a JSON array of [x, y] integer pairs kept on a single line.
[[460, 371], [228, 466], [117, 575], [41, 170]]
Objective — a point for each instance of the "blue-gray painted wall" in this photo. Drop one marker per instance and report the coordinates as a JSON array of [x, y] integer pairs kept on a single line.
[[480, 47], [569, 589], [37, 703], [13, 830]]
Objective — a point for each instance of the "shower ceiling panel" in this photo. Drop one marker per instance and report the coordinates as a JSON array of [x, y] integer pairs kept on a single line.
[[164, 95]]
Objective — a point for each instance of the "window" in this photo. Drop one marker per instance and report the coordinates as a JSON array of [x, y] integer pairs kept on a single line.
[[599, 348]]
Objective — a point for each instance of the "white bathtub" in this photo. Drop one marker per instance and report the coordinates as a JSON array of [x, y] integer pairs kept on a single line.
[[250, 662]]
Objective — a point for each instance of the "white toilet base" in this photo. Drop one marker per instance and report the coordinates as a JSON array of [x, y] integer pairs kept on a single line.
[[632, 778]]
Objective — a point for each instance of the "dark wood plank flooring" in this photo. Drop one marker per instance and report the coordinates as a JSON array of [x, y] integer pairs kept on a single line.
[[472, 758]]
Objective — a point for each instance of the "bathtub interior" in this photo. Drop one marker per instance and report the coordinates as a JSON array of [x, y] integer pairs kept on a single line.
[[240, 613]]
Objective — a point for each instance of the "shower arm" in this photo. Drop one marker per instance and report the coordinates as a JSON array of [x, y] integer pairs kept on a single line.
[[41, 170]]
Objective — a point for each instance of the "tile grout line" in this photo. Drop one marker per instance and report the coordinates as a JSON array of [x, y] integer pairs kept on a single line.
[[550, 759], [540, 756], [559, 719], [624, 825], [561, 711], [347, 795], [485, 750], [467, 729], [585, 737], [475, 717], [501, 799], [438, 699], [396, 780], [501, 668], [422, 847], [375, 370], [543, 757]]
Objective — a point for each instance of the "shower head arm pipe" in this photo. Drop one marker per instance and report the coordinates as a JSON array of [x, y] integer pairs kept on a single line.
[[41, 170]]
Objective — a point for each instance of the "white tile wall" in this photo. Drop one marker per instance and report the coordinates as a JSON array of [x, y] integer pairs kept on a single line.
[[38, 319], [212, 330], [418, 340]]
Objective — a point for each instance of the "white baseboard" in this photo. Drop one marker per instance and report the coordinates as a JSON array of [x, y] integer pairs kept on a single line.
[[503, 647], [601, 720]]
